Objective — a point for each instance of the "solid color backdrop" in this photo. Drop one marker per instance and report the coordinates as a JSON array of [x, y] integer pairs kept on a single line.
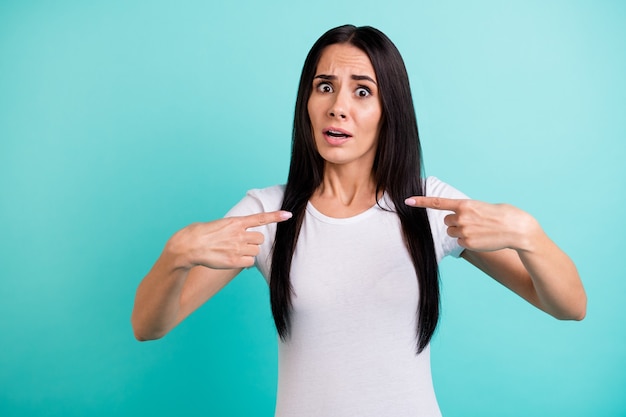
[[123, 121]]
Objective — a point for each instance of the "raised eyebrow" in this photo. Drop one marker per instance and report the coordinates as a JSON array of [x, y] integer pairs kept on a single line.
[[363, 78], [354, 77], [325, 77]]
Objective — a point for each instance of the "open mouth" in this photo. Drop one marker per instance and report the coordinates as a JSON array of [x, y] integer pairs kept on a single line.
[[337, 134]]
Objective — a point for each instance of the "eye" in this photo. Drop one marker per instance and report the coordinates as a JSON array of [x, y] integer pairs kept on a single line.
[[363, 92], [324, 87]]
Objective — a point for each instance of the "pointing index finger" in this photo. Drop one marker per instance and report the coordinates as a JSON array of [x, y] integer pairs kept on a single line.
[[261, 219], [437, 203]]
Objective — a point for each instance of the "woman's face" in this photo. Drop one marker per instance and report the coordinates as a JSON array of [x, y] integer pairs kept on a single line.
[[344, 106]]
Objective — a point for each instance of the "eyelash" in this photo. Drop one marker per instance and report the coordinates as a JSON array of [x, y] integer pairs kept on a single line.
[[367, 90], [322, 84]]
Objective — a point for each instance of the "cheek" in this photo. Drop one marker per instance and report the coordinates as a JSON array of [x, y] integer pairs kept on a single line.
[[313, 123], [374, 118], [313, 106]]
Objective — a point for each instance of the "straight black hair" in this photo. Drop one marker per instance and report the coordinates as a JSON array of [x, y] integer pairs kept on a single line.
[[397, 171]]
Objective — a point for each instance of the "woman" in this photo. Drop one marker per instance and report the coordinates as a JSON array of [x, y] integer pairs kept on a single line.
[[350, 245]]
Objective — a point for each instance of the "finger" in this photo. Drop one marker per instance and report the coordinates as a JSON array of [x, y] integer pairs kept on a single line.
[[246, 262], [249, 250], [436, 203], [261, 219], [451, 220], [254, 238], [454, 231]]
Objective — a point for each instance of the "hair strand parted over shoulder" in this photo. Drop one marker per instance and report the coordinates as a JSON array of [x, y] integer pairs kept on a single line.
[[397, 171]]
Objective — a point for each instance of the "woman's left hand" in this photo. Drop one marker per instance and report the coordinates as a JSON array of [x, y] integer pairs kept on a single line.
[[481, 226], [541, 272]]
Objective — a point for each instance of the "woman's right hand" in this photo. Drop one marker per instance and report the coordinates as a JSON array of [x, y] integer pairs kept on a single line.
[[174, 288], [221, 244]]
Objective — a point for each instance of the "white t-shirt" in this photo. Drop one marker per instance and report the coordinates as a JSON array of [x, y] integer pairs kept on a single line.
[[352, 347]]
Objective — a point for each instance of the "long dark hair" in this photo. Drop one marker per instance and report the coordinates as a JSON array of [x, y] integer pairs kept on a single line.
[[397, 171]]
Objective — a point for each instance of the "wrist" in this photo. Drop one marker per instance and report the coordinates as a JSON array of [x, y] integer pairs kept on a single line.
[[529, 234], [176, 255]]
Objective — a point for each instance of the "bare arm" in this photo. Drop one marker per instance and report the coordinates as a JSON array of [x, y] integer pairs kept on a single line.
[[552, 287], [509, 245], [196, 263], [166, 296]]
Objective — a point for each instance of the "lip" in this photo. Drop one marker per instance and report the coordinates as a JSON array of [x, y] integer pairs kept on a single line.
[[334, 140]]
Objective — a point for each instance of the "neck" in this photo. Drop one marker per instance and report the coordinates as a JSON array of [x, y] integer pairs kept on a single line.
[[345, 191]]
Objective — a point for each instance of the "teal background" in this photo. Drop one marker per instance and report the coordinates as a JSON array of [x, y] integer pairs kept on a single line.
[[123, 121]]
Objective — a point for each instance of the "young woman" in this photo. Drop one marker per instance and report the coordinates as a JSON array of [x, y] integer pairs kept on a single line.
[[350, 245]]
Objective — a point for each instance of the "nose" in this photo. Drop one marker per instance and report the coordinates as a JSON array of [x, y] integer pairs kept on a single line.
[[338, 108], [337, 112]]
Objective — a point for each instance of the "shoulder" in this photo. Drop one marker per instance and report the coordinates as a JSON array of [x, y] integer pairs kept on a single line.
[[434, 187], [259, 200], [444, 244], [271, 194]]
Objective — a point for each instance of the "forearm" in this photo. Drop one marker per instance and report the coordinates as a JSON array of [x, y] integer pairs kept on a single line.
[[157, 301], [510, 246], [555, 279], [195, 264]]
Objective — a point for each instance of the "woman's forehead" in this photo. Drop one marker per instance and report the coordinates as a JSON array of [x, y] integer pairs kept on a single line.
[[340, 58]]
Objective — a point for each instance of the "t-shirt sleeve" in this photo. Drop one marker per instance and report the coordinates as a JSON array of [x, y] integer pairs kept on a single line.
[[444, 244], [261, 201]]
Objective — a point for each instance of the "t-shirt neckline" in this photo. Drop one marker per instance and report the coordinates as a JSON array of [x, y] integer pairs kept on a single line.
[[382, 202]]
